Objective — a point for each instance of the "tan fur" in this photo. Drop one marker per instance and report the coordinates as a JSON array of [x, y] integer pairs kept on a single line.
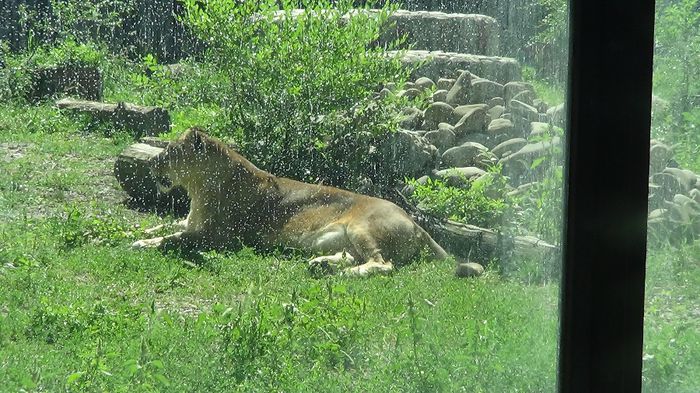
[[233, 201]]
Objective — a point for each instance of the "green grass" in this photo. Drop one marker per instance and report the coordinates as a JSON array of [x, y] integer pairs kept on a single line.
[[81, 311], [549, 92]]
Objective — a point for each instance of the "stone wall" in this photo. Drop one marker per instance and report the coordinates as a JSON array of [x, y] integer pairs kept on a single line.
[[438, 31]]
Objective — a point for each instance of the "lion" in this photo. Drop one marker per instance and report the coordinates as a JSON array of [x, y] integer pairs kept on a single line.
[[234, 202]]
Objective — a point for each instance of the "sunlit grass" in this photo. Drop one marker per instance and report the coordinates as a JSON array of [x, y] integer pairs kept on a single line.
[[81, 311]]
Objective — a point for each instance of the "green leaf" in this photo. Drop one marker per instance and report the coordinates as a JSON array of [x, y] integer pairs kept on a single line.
[[162, 379], [73, 378]]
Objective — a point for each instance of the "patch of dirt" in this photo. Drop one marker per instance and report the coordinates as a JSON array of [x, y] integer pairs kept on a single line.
[[13, 151]]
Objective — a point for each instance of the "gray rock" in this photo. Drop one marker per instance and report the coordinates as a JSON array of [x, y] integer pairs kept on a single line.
[[510, 89], [445, 83], [525, 96], [409, 189], [384, 93], [662, 187], [659, 156], [496, 111], [683, 212], [469, 269], [557, 115], [523, 110], [541, 106], [439, 112], [657, 214], [483, 90], [458, 177], [437, 64], [477, 137], [409, 93], [440, 96], [521, 189], [425, 83], [446, 126], [521, 161], [432, 30], [412, 118], [686, 178], [409, 85], [442, 139], [509, 147], [538, 128], [500, 127], [459, 93], [411, 154], [496, 101], [472, 118], [464, 155]]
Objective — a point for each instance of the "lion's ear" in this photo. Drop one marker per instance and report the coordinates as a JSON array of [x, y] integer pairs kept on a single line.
[[197, 140]]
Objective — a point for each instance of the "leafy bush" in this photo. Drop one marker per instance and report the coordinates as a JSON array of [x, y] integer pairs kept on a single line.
[[540, 206], [470, 205], [75, 20], [296, 80]]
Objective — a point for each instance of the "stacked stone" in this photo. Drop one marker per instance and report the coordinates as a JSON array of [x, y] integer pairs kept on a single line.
[[475, 123], [674, 197]]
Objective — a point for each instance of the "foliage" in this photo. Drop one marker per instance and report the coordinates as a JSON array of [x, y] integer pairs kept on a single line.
[[471, 204], [540, 207], [81, 21], [677, 52], [551, 42], [676, 61], [548, 91], [671, 360], [177, 86], [290, 72], [16, 76]]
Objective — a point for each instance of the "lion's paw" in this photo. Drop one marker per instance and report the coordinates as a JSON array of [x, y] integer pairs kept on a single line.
[[369, 269], [330, 264], [147, 243]]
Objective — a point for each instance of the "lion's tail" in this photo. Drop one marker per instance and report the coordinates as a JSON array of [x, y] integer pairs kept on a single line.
[[439, 253]]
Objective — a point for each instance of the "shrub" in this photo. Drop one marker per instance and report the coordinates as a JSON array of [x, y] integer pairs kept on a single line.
[[470, 205], [541, 206], [296, 80]]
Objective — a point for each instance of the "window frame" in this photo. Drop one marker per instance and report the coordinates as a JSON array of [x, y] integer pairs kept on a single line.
[[605, 195]]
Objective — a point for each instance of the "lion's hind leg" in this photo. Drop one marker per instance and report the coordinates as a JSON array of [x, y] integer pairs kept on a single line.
[[374, 265], [368, 251]]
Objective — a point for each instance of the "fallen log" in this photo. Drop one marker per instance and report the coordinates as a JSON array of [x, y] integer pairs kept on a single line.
[[145, 189], [482, 245], [82, 81], [142, 120], [478, 244]]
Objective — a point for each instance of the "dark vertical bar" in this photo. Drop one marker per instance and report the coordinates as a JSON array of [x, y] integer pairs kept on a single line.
[[606, 198]]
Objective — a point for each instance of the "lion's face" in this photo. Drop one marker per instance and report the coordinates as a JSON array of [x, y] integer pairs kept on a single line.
[[183, 157]]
